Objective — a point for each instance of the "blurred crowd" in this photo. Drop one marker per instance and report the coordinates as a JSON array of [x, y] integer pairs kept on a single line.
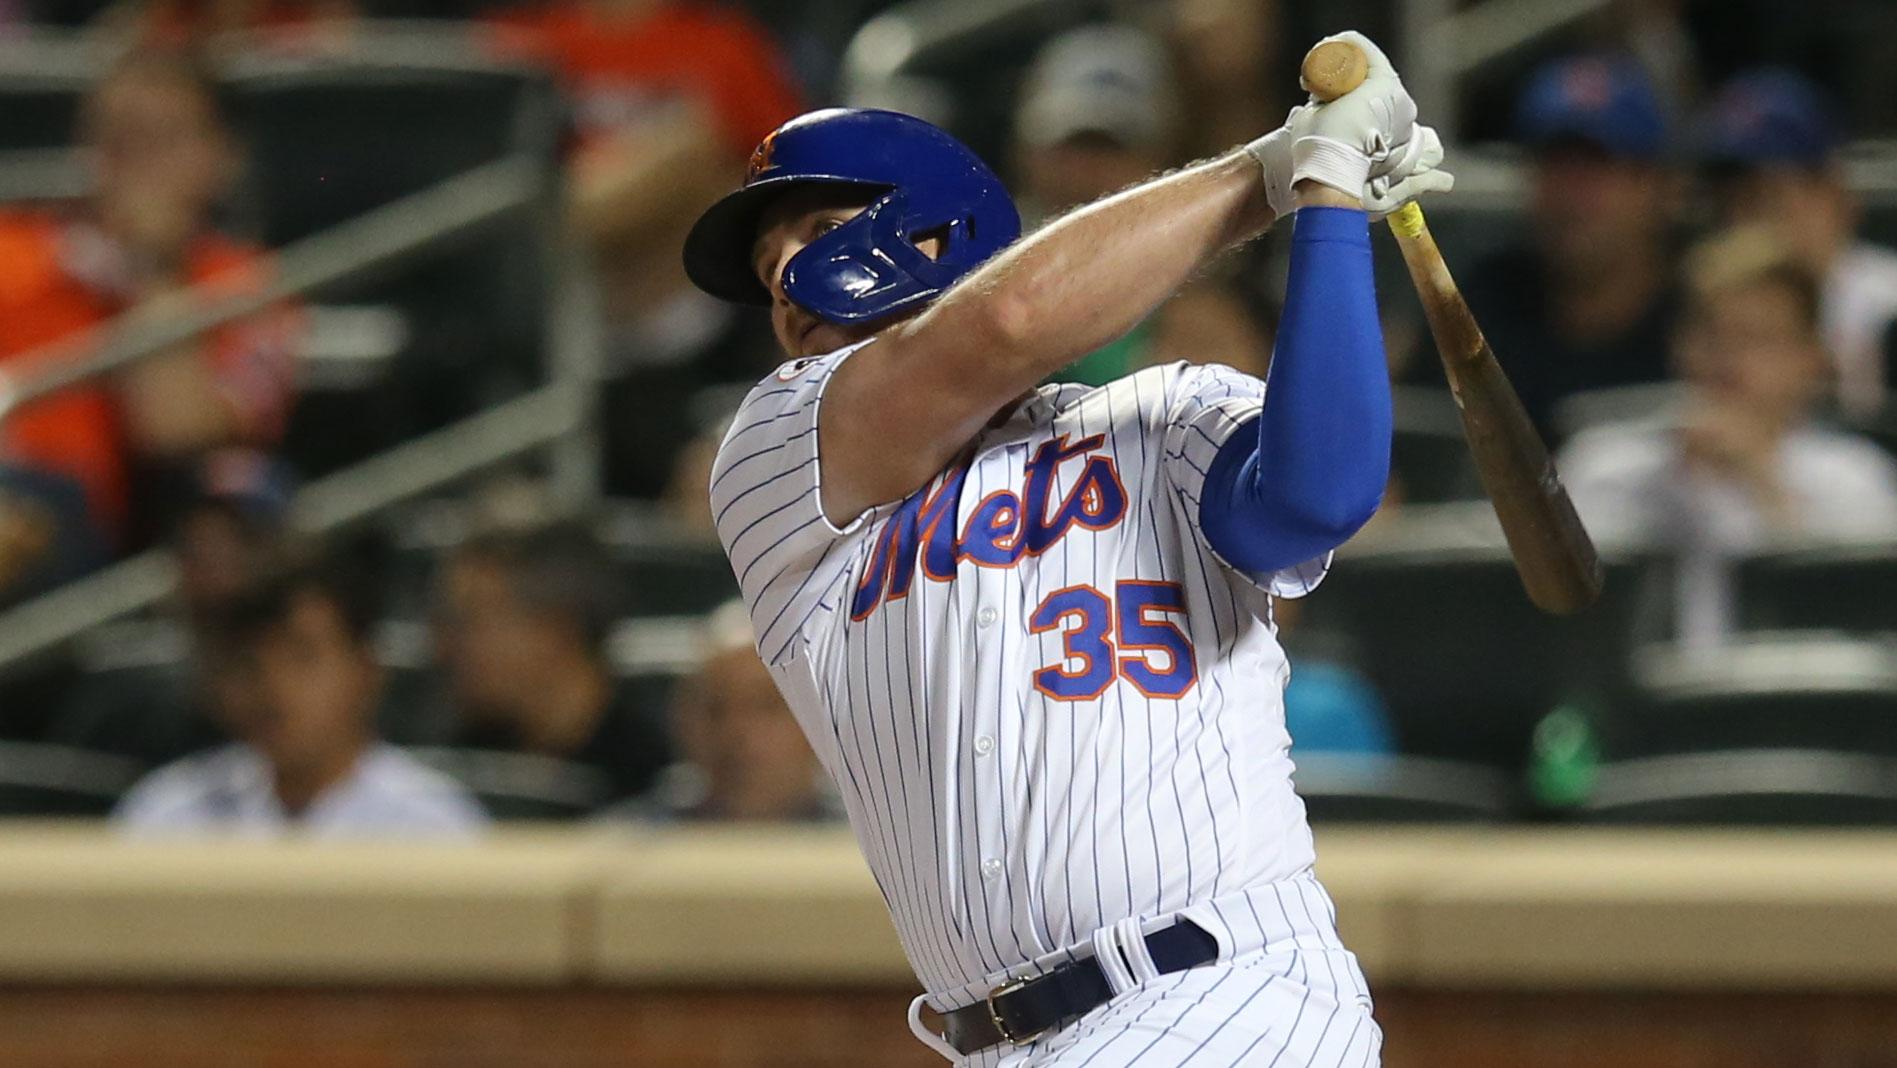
[[1687, 301]]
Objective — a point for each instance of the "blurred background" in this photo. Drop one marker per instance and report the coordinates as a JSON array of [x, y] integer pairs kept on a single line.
[[370, 687]]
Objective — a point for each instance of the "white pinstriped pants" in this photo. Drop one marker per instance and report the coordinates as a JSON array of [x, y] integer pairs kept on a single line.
[[1287, 996], [1251, 1011]]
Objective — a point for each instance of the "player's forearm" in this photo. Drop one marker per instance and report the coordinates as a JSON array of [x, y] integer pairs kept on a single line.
[[1313, 470], [1088, 278]]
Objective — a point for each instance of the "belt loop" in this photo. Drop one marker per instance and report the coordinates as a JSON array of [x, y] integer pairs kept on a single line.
[[1119, 978], [1132, 941], [928, 1037]]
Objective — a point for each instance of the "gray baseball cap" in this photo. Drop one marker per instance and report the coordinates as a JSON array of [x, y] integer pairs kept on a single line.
[[1102, 79]]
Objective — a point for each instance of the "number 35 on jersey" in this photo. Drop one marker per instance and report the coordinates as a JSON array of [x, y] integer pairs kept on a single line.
[[1124, 634]]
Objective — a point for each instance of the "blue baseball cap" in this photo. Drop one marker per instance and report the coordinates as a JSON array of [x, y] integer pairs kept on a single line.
[[1601, 100], [1769, 115]]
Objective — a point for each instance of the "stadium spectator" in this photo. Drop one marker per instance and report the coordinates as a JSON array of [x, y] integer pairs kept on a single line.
[[1741, 466], [199, 23], [1101, 112], [746, 758], [152, 691], [162, 158], [669, 98], [1771, 146], [1226, 55], [1329, 705], [1589, 301], [46, 535], [300, 682], [687, 498], [521, 631]]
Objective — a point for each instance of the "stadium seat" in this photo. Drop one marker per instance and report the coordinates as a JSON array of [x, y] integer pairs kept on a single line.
[[1618, 404], [679, 580], [329, 143], [1763, 692], [38, 779], [1850, 588], [1748, 786], [1432, 604], [39, 111], [521, 786], [667, 571], [1428, 457], [1372, 788]]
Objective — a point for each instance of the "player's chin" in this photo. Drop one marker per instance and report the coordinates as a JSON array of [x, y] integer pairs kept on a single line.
[[821, 338]]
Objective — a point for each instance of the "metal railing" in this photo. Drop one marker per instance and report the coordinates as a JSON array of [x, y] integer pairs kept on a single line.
[[555, 418], [456, 209], [909, 34], [1440, 44]]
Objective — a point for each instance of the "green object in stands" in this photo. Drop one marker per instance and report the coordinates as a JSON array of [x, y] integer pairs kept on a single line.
[[1114, 360], [1565, 759]]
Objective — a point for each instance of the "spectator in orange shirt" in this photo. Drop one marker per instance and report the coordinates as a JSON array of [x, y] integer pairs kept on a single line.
[[669, 96], [624, 60], [162, 158]]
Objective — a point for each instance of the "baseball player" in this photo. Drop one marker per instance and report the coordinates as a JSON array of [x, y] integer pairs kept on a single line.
[[1028, 630]]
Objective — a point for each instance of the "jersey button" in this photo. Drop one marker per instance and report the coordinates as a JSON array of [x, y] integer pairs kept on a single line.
[[984, 745], [991, 868], [987, 616]]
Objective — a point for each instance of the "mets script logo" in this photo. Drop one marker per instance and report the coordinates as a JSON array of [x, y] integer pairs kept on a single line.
[[1001, 529], [761, 157]]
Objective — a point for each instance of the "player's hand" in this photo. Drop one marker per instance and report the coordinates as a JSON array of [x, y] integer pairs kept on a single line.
[[1364, 134], [1418, 172], [1365, 143]]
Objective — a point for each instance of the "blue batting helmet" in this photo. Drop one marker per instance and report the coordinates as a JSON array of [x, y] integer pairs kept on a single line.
[[922, 183]]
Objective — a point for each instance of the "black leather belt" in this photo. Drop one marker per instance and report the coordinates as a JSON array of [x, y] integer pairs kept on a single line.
[[1021, 1011]]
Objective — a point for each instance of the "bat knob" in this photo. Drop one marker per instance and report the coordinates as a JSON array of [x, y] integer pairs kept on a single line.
[[1332, 69]]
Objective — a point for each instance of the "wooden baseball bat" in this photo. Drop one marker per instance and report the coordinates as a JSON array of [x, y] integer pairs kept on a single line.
[[1553, 554]]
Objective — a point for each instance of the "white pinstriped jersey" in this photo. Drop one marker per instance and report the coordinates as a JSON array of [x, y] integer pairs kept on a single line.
[[1047, 704]]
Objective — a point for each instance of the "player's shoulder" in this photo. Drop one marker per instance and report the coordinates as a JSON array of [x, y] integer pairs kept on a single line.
[[801, 375], [1156, 391], [769, 406]]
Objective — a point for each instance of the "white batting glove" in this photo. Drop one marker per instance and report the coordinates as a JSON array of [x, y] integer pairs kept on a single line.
[[1359, 135], [1365, 143], [1273, 153], [1416, 173], [1411, 174]]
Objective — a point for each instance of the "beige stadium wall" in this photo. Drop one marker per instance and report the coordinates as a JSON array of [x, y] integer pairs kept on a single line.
[[769, 946]]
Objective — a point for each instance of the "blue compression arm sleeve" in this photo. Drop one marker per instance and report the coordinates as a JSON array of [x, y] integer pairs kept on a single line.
[[1314, 471]]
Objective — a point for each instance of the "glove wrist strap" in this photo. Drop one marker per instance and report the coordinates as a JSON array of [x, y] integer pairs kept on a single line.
[[1273, 154], [1329, 162]]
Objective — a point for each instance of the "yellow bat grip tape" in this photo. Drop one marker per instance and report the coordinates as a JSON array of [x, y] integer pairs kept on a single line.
[[1407, 220]]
